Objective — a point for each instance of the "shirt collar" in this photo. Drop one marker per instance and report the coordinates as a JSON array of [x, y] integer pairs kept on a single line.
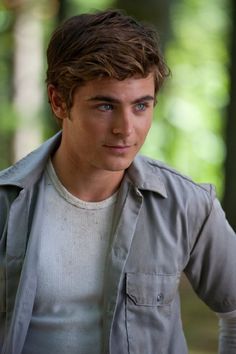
[[144, 172], [28, 170]]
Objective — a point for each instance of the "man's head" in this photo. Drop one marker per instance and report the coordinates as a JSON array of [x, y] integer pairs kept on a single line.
[[104, 44]]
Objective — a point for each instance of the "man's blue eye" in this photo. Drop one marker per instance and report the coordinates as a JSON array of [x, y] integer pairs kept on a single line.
[[105, 107], [141, 106]]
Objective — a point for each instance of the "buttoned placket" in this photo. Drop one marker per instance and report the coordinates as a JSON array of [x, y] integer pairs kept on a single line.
[[117, 257]]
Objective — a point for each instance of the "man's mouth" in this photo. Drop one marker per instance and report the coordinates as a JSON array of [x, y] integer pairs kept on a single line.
[[118, 147]]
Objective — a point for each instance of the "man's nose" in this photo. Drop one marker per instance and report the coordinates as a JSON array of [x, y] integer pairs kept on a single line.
[[123, 123]]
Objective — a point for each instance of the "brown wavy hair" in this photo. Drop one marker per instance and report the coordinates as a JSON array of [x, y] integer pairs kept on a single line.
[[103, 44]]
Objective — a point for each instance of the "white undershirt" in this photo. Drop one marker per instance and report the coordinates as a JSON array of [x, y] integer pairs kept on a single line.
[[67, 316]]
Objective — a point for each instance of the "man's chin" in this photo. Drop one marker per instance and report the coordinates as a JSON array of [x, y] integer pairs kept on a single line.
[[119, 166]]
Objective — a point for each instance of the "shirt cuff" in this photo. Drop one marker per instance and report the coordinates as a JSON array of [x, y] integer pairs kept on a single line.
[[227, 332]]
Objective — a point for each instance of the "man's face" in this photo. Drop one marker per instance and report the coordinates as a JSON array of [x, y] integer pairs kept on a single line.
[[108, 123]]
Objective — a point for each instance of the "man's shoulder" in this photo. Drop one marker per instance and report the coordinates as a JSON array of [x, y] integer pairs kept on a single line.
[[173, 181], [27, 170]]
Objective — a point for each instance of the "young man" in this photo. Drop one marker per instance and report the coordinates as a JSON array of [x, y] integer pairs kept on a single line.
[[94, 237]]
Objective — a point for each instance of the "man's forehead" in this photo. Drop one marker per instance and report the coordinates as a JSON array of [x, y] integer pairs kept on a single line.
[[136, 84]]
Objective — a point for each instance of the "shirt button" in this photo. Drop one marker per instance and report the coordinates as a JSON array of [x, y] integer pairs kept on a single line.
[[160, 297]]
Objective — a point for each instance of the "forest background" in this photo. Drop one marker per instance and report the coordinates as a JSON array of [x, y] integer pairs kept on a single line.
[[194, 125]]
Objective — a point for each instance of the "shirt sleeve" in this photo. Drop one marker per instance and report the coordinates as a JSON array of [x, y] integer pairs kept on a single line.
[[212, 261], [227, 332]]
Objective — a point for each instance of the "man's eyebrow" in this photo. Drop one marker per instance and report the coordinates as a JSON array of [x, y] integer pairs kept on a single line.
[[144, 99], [102, 98], [110, 99]]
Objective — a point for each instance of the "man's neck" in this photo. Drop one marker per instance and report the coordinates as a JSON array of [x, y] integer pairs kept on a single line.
[[93, 186]]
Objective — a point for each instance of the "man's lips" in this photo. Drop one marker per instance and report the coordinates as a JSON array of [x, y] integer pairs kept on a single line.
[[118, 148]]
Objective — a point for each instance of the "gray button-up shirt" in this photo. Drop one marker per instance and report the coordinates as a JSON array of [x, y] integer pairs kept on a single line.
[[164, 224]]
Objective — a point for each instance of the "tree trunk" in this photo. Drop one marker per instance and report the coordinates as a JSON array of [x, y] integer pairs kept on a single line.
[[229, 200], [156, 12], [62, 11], [28, 95]]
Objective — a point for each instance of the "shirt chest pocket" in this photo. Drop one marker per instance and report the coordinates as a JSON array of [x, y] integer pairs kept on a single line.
[[149, 299]]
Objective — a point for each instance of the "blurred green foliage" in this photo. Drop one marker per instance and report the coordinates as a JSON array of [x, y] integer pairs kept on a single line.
[[199, 322], [88, 6], [7, 114], [188, 128]]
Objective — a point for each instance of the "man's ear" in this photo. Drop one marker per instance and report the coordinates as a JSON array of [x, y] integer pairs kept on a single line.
[[57, 102]]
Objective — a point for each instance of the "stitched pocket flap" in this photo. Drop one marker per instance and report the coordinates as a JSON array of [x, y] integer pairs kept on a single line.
[[151, 289]]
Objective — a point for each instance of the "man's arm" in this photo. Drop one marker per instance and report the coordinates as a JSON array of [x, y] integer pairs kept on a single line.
[[227, 335]]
